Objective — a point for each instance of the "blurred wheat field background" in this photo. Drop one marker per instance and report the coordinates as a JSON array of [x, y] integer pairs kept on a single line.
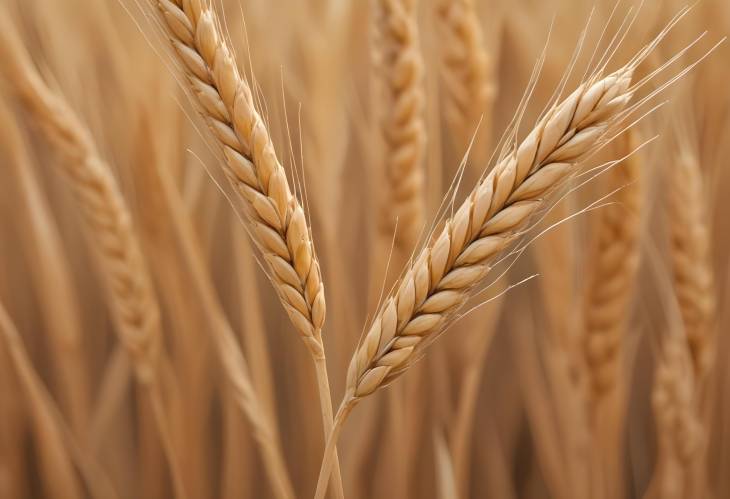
[[370, 249]]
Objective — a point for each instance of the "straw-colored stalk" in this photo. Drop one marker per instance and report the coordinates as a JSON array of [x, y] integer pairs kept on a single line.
[[690, 257], [467, 75], [134, 306], [58, 302], [59, 477], [58, 450], [679, 429], [613, 264], [398, 64]]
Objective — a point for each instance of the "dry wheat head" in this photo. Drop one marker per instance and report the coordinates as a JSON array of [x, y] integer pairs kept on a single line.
[[466, 72], [278, 224], [690, 256], [399, 65], [441, 277], [613, 264]]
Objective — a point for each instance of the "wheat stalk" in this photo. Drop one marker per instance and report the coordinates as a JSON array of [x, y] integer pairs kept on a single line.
[[54, 458], [466, 72], [134, 305], [197, 292], [614, 262], [675, 411], [690, 257], [277, 221], [58, 302], [439, 281], [56, 445], [398, 64]]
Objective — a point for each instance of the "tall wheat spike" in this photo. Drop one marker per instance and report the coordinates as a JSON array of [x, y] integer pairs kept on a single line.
[[690, 256], [466, 71], [398, 63], [439, 281], [614, 262], [276, 219], [134, 306]]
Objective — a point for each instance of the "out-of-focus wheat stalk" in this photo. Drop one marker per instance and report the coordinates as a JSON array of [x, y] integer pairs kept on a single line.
[[61, 310], [54, 457], [467, 75], [54, 442], [674, 400], [398, 64], [690, 256], [613, 265], [131, 293]]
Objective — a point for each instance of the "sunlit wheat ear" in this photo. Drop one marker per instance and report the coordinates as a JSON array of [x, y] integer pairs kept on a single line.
[[612, 266], [458, 257], [466, 71], [277, 222], [690, 257], [399, 68]]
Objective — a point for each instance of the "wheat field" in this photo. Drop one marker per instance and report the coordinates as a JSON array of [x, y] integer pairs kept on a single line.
[[366, 249]]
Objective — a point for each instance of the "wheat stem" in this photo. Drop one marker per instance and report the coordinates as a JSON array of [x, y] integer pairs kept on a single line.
[[690, 257], [109, 224], [467, 76], [614, 261], [399, 65]]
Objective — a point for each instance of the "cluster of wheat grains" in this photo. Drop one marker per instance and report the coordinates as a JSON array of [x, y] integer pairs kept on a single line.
[[180, 170]]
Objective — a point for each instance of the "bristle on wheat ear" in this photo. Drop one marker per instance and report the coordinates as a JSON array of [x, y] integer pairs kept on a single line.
[[457, 259], [277, 221]]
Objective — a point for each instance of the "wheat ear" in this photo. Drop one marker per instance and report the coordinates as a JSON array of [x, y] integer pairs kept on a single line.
[[466, 72], [133, 302], [614, 262], [439, 281], [675, 411], [278, 225], [398, 62], [690, 257]]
